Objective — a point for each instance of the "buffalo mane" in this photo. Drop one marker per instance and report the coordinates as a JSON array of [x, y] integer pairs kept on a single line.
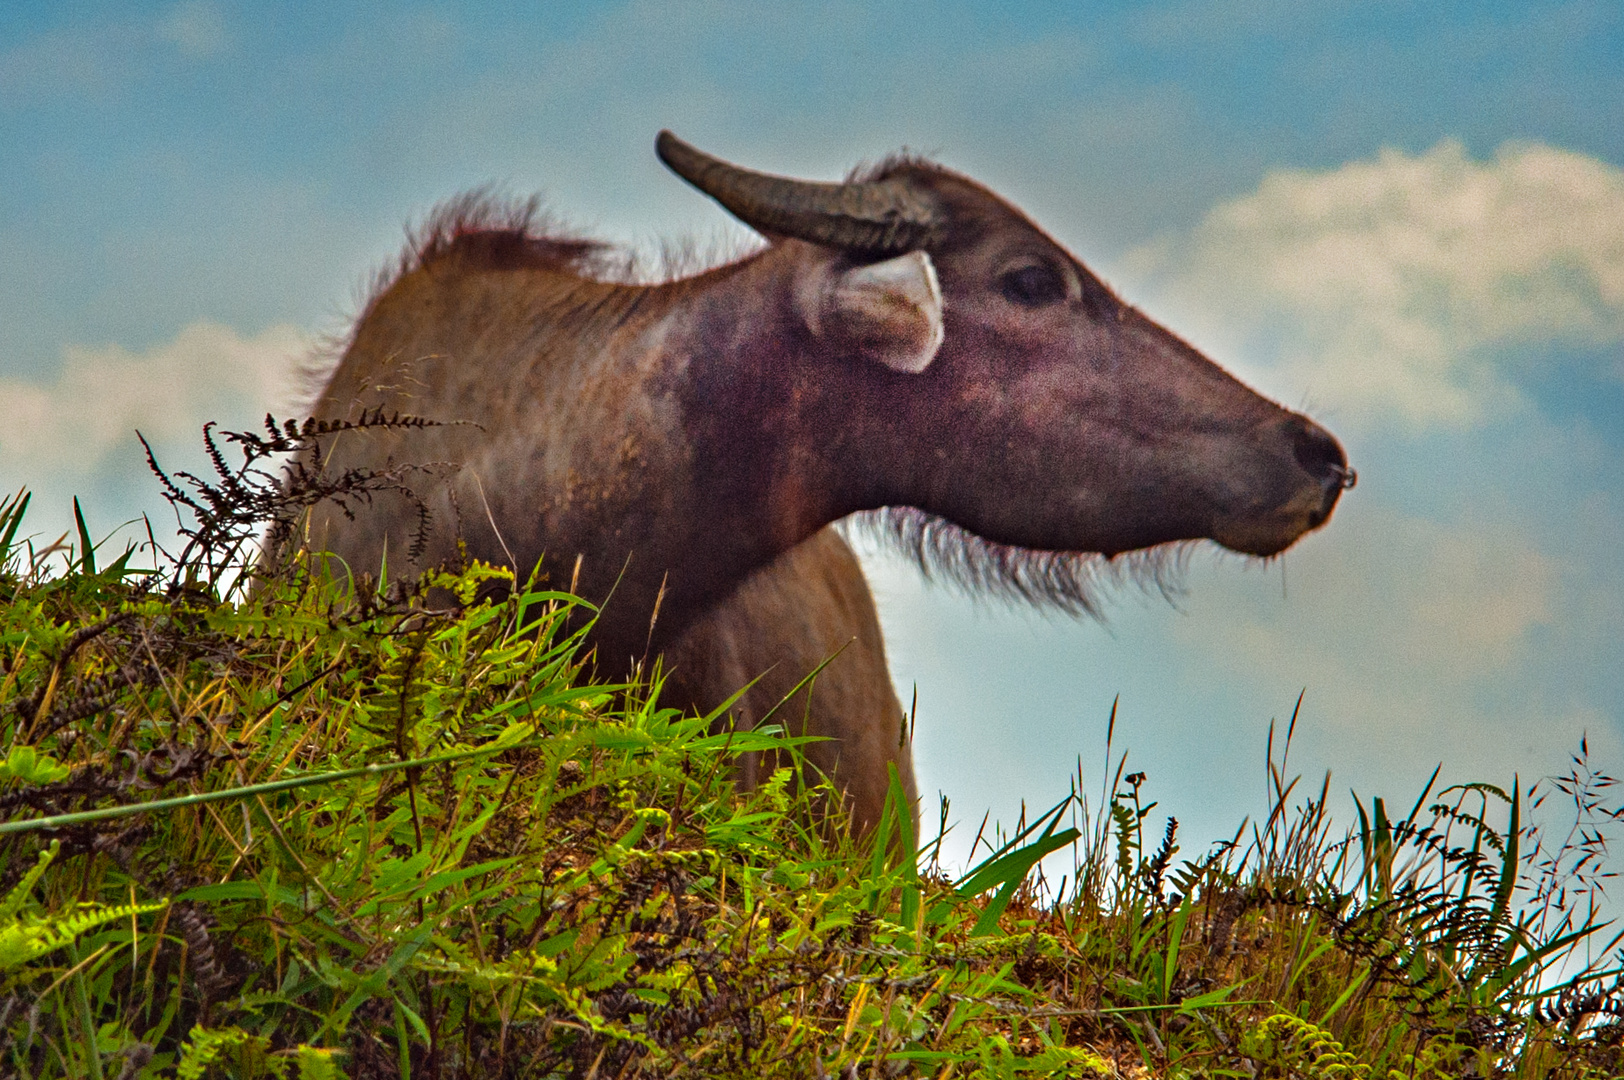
[[484, 227], [1069, 582], [499, 232]]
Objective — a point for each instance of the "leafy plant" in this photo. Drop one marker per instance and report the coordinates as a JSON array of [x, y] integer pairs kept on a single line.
[[323, 829]]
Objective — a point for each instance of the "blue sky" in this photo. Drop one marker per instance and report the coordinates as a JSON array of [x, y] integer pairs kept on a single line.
[[1408, 218]]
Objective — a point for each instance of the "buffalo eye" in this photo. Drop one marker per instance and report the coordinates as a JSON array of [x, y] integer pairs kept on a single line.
[[1033, 286]]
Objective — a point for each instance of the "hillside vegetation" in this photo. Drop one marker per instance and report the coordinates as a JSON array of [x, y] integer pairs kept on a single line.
[[317, 830]]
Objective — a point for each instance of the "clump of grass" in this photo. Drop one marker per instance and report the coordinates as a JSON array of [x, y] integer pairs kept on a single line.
[[320, 829], [1439, 943]]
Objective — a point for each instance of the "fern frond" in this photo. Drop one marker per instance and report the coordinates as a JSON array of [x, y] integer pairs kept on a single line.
[[27, 939], [18, 896]]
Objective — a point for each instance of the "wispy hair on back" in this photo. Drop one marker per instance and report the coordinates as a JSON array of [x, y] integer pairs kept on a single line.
[[504, 231], [498, 230], [489, 227]]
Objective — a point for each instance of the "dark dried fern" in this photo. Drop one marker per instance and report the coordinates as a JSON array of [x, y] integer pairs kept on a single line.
[[260, 501]]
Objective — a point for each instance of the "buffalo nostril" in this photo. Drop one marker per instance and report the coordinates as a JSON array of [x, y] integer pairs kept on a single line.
[[1320, 455]]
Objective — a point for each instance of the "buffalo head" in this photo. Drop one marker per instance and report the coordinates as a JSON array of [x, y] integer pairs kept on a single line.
[[972, 369]]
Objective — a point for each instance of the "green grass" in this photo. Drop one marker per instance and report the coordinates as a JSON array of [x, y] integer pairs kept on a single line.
[[400, 839]]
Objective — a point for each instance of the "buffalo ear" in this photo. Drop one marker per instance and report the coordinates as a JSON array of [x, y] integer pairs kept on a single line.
[[889, 312]]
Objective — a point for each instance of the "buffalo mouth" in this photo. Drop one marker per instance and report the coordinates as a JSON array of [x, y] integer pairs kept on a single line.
[[1269, 534], [1319, 474]]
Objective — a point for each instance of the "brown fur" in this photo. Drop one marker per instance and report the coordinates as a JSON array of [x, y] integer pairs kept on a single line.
[[809, 605], [692, 440]]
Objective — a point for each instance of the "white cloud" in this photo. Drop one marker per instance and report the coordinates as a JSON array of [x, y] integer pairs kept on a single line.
[[1394, 282], [1418, 641], [1403, 594], [102, 394], [75, 434], [196, 28]]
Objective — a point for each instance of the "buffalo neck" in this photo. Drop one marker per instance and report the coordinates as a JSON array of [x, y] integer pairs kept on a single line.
[[769, 439]]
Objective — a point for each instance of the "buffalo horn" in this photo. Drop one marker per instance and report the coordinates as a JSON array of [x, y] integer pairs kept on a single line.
[[881, 217]]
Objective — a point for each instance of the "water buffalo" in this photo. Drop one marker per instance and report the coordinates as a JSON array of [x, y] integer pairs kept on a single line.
[[906, 339]]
